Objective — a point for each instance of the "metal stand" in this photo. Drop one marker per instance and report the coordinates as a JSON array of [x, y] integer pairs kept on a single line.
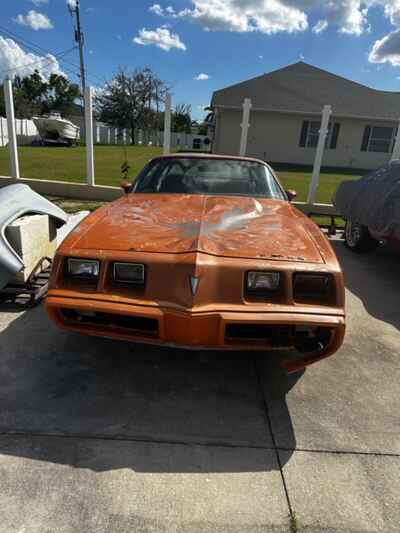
[[35, 288], [332, 228]]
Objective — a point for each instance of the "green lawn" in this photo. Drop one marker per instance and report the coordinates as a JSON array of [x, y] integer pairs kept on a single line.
[[68, 164], [300, 182]]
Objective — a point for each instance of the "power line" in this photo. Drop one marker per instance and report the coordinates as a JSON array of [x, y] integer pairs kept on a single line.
[[41, 60], [29, 44], [35, 48]]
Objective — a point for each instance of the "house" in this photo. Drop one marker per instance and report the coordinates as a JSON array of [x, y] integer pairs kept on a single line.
[[286, 115]]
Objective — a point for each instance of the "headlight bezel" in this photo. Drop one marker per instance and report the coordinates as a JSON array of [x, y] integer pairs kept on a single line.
[[82, 276], [120, 281], [254, 291], [325, 296]]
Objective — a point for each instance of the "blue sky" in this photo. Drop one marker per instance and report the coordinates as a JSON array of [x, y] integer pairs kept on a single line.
[[225, 40]]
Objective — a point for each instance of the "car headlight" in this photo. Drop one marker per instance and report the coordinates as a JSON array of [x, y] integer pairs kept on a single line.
[[129, 273], [316, 287], [83, 268], [262, 282]]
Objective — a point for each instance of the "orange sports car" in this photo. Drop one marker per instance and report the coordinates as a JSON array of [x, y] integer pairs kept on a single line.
[[203, 252]]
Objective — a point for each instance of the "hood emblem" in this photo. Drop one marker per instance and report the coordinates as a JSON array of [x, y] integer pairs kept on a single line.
[[194, 284]]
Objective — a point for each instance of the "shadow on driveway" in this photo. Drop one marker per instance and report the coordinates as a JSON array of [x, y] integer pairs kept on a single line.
[[55, 383], [372, 278]]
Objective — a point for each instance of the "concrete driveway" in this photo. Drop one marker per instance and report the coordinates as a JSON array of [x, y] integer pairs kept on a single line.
[[102, 436]]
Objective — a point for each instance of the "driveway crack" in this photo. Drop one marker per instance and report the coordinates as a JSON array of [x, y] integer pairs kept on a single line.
[[292, 515]]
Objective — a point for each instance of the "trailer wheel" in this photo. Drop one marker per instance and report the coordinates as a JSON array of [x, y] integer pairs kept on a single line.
[[358, 238]]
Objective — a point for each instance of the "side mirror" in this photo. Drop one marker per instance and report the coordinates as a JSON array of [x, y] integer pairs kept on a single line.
[[125, 186], [291, 194]]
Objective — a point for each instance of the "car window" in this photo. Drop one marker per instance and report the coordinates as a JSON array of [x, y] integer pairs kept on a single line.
[[209, 176]]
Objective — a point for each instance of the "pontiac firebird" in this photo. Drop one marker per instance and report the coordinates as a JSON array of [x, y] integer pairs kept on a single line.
[[203, 252]]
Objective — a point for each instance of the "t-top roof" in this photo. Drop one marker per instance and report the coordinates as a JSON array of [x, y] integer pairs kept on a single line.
[[303, 88]]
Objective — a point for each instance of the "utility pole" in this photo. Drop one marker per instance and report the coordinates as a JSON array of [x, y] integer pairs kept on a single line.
[[73, 6]]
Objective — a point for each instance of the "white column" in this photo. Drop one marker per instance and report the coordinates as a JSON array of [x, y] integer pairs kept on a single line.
[[12, 136], [124, 136], [98, 134], [323, 132], [167, 125], [89, 136], [245, 126], [396, 149]]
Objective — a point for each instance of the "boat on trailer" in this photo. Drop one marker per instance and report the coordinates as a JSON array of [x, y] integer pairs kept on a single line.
[[53, 129]]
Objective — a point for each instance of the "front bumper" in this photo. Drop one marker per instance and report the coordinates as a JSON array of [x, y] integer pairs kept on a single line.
[[202, 330]]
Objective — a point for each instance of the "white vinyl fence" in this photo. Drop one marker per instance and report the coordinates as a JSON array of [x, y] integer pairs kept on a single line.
[[27, 133]]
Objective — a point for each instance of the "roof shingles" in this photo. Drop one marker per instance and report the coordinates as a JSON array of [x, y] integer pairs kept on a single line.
[[306, 89]]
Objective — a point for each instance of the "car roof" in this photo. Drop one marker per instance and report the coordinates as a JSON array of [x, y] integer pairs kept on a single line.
[[196, 155]]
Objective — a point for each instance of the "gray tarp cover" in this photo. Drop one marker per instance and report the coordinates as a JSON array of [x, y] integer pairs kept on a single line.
[[16, 201], [373, 200]]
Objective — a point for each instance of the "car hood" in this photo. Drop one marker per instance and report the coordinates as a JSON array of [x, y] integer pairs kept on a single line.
[[226, 226]]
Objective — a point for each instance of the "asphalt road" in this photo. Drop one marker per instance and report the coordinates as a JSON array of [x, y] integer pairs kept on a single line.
[[102, 436]]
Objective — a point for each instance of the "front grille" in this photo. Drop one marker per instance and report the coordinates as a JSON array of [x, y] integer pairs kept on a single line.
[[136, 324], [258, 333]]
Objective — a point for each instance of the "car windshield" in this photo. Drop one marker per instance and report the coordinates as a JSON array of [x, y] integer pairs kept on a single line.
[[209, 176]]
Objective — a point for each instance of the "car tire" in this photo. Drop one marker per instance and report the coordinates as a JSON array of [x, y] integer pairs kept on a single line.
[[358, 238]]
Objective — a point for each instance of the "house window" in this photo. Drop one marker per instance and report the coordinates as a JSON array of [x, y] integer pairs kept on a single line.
[[313, 135], [378, 139], [310, 134], [196, 144]]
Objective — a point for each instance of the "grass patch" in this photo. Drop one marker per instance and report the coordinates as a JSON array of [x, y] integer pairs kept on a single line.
[[300, 182], [294, 523], [73, 206], [69, 164]]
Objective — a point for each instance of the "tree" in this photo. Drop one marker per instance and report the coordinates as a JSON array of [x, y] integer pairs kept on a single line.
[[34, 95], [61, 94], [132, 100], [181, 118], [33, 87]]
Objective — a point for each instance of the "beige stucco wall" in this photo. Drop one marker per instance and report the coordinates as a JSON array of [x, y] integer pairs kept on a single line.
[[275, 137]]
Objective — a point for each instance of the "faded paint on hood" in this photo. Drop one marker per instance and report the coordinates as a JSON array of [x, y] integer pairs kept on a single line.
[[220, 225]]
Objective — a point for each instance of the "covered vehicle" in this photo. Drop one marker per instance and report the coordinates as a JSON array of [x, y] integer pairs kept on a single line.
[[371, 208], [203, 252]]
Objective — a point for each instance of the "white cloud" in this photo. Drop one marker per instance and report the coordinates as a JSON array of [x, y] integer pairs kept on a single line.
[[157, 10], [202, 77], [160, 37], [14, 60], [37, 3], [392, 10], [272, 16], [35, 20], [320, 26], [387, 50], [240, 15]]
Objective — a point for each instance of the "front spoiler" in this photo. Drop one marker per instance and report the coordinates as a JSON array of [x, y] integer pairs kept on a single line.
[[196, 330]]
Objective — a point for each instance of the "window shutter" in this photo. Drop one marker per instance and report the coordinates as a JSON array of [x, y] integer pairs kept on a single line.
[[366, 136], [335, 136], [304, 132]]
